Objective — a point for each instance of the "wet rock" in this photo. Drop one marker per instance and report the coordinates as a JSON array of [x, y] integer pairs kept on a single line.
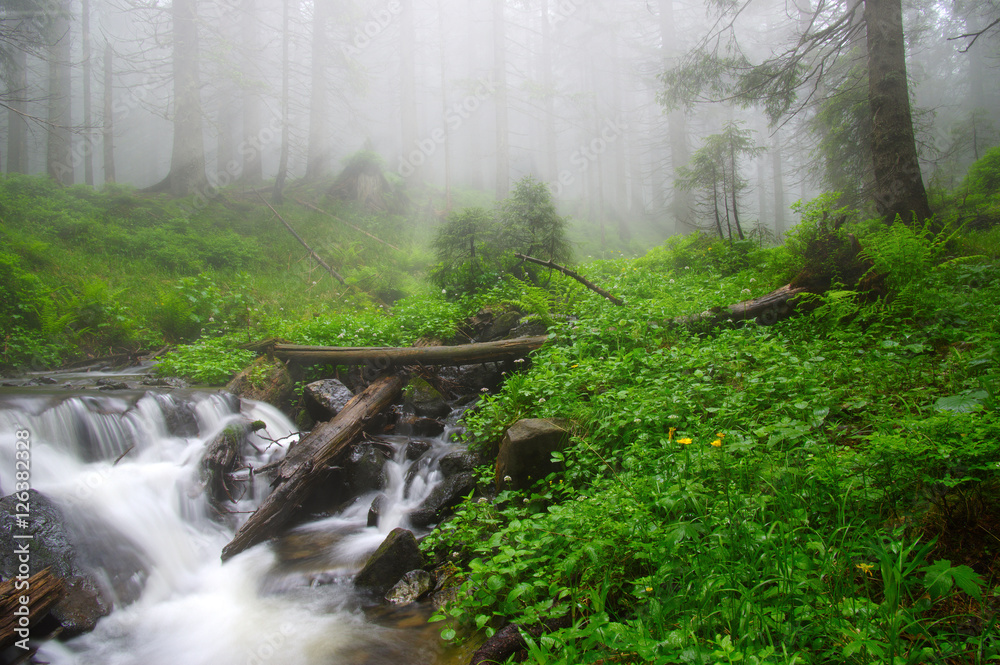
[[222, 456], [266, 381], [446, 585], [528, 329], [325, 399], [114, 385], [51, 547], [180, 417], [375, 511], [398, 554], [425, 400], [364, 468], [500, 327], [164, 382], [47, 380], [526, 452], [468, 379], [415, 449], [412, 587], [410, 424], [445, 496], [458, 461]]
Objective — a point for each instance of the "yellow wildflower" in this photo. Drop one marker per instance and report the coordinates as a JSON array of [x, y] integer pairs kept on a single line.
[[865, 568], [717, 443], [720, 435], [670, 434], [685, 441]]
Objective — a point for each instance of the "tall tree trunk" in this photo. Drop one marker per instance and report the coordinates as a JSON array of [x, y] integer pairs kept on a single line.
[[408, 90], [187, 158], [317, 161], [279, 180], [108, 129], [17, 126], [735, 184], [446, 148], [779, 186], [899, 187], [549, 90], [251, 147], [681, 204], [88, 148], [59, 155], [500, 72]]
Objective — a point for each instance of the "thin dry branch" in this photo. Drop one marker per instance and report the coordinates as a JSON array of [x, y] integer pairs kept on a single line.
[[314, 255], [569, 273]]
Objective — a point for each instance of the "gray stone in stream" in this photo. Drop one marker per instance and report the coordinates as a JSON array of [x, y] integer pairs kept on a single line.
[[410, 424], [457, 461], [414, 584], [526, 452], [50, 547], [325, 399], [364, 468], [445, 496], [376, 509], [179, 417], [398, 554], [415, 449]]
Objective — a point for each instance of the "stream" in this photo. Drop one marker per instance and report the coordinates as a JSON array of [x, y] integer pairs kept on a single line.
[[153, 543]]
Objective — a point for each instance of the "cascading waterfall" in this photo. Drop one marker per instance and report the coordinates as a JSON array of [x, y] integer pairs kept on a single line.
[[117, 473]]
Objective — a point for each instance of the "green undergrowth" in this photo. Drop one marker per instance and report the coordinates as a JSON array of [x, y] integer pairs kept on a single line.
[[823, 490], [95, 273]]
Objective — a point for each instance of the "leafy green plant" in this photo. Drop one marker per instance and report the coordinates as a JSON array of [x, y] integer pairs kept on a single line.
[[210, 361]]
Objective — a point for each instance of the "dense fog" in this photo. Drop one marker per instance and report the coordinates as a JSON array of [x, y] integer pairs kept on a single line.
[[473, 94]]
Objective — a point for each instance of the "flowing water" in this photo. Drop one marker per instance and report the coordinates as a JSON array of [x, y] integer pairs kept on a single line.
[[134, 489]]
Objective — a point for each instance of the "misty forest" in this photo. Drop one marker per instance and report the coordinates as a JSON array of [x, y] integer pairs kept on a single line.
[[467, 331]]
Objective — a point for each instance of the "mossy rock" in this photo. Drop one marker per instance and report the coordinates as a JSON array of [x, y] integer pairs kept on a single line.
[[266, 380]]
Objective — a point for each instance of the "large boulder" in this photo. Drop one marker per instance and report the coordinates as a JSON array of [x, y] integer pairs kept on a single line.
[[525, 455], [326, 398], [398, 554], [50, 546], [445, 496]]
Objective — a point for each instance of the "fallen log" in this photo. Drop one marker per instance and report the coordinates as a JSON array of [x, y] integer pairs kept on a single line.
[[384, 357], [765, 310], [569, 273], [333, 273], [308, 460], [42, 592]]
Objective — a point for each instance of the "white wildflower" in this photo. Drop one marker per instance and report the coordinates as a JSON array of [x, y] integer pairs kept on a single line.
[[507, 479]]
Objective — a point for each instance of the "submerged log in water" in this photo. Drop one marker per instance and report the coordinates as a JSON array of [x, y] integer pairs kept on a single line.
[[308, 461]]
